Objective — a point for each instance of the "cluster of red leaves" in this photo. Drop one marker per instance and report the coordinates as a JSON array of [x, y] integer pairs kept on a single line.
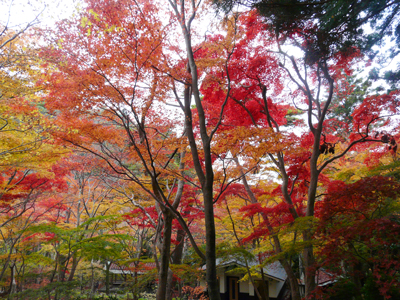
[[250, 67], [357, 226], [137, 217], [47, 236], [371, 110], [358, 199], [21, 186], [234, 189], [190, 209], [279, 216], [190, 205]]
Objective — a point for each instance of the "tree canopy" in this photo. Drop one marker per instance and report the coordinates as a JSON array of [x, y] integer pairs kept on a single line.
[[142, 145]]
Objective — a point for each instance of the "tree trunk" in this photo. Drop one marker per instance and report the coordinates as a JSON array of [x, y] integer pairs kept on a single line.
[[207, 181], [176, 259], [13, 283], [211, 266], [10, 251], [135, 290], [309, 268], [108, 266], [293, 283], [265, 290], [206, 176], [92, 281], [308, 252], [165, 256], [75, 262]]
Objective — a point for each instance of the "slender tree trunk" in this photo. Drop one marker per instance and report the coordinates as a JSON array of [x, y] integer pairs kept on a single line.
[[75, 262], [135, 290], [165, 256], [206, 176], [207, 181], [8, 257], [13, 283], [211, 266], [176, 259], [308, 252], [309, 268], [21, 276], [92, 281], [170, 284], [265, 293], [108, 266], [53, 275]]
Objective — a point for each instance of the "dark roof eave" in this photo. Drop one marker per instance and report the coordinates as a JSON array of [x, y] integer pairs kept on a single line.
[[233, 263]]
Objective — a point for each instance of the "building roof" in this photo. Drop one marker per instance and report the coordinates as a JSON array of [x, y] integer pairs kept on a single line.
[[273, 270], [139, 267], [323, 278]]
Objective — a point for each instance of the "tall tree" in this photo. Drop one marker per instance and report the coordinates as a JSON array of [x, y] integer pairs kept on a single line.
[[27, 157], [259, 99], [200, 128], [108, 89]]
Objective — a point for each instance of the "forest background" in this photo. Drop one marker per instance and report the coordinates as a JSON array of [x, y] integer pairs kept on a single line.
[[161, 131]]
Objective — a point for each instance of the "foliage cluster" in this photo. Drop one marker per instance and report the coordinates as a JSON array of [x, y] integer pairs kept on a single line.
[[135, 150]]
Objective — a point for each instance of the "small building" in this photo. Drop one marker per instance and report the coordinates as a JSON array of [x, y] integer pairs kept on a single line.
[[232, 286], [121, 274]]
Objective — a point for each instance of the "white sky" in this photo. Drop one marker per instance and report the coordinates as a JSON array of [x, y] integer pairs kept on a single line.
[[18, 13]]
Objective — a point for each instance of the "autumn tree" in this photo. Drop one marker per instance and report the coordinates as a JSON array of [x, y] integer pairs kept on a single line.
[[20, 125], [88, 197], [358, 236], [107, 88], [117, 63], [213, 55], [26, 153], [30, 194], [302, 158], [27, 157]]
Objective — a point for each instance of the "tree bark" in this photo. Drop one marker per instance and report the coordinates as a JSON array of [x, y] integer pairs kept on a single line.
[[75, 262], [176, 259], [211, 266], [108, 265], [207, 180], [165, 255], [265, 290], [206, 176]]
